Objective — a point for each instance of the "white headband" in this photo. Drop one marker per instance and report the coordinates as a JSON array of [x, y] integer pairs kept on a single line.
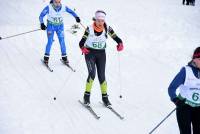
[[100, 16]]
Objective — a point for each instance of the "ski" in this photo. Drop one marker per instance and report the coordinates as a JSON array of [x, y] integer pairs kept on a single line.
[[89, 108], [47, 66], [113, 110], [67, 64]]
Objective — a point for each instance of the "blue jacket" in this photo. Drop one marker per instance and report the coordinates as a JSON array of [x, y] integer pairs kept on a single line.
[[45, 11], [180, 79]]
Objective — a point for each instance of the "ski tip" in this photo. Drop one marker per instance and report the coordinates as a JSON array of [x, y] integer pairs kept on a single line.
[[51, 70], [0, 38]]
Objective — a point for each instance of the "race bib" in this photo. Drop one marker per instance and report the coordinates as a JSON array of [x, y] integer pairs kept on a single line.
[[57, 20], [194, 97], [98, 45]]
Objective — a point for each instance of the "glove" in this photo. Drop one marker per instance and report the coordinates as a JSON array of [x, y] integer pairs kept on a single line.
[[120, 47], [42, 26], [85, 50], [78, 20], [179, 102]]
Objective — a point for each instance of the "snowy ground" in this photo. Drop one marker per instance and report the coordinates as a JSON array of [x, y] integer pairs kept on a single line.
[[159, 38]]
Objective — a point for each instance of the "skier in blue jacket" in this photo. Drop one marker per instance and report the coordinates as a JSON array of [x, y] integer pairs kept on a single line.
[[187, 100], [54, 12]]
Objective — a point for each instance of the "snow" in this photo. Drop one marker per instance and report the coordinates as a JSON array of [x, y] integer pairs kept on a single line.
[[159, 38]]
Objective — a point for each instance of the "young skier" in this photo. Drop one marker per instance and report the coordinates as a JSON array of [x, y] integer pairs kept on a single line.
[[54, 12], [188, 100], [93, 45]]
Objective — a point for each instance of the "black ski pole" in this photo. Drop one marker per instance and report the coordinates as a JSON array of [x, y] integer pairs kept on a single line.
[[1, 38], [119, 76], [162, 121], [83, 26]]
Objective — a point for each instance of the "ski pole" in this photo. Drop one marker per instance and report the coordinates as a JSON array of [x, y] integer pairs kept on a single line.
[[162, 121], [83, 26], [119, 73], [1, 38], [66, 81]]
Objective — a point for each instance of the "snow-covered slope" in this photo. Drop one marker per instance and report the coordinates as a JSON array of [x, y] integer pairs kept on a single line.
[[159, 37]]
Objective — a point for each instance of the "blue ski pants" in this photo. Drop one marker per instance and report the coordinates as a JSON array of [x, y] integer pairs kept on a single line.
[[59, 29]]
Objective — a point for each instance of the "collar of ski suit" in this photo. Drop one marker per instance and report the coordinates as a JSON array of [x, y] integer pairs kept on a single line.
[[192, 64], [56, 8], [195, 69], [98, 29]]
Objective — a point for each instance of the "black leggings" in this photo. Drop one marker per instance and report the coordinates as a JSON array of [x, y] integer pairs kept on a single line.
[[96, 59], [187, 115]]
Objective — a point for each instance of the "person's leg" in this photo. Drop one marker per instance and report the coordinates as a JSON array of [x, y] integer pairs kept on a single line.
[[101, 65], [196, 120], [183, 115], [190, 2], [193, 2], [187, 2], [61, 38], [50, 34], [90, 62], [183, 2]]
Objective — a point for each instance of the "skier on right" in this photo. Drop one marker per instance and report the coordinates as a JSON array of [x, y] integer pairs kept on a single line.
[[93, 45], [188, 100]]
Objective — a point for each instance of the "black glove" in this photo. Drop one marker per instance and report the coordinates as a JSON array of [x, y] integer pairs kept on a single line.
[[78, 20], [42, 26], [179, 102]]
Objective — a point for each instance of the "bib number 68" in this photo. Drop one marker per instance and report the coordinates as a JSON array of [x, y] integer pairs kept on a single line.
[[97, 45]]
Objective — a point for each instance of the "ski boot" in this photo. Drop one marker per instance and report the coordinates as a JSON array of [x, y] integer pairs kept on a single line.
[[46, 59], [65, 59], [105, 100], [86, 98]]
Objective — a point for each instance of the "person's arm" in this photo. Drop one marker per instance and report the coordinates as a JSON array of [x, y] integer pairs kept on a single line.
[[113, 35], [78, 20], [43, 13], [70, 11], [84, 38], [177, 81]]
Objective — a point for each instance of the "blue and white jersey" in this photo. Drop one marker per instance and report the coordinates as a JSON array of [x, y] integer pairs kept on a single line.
[[55, 14], [55, 17]]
